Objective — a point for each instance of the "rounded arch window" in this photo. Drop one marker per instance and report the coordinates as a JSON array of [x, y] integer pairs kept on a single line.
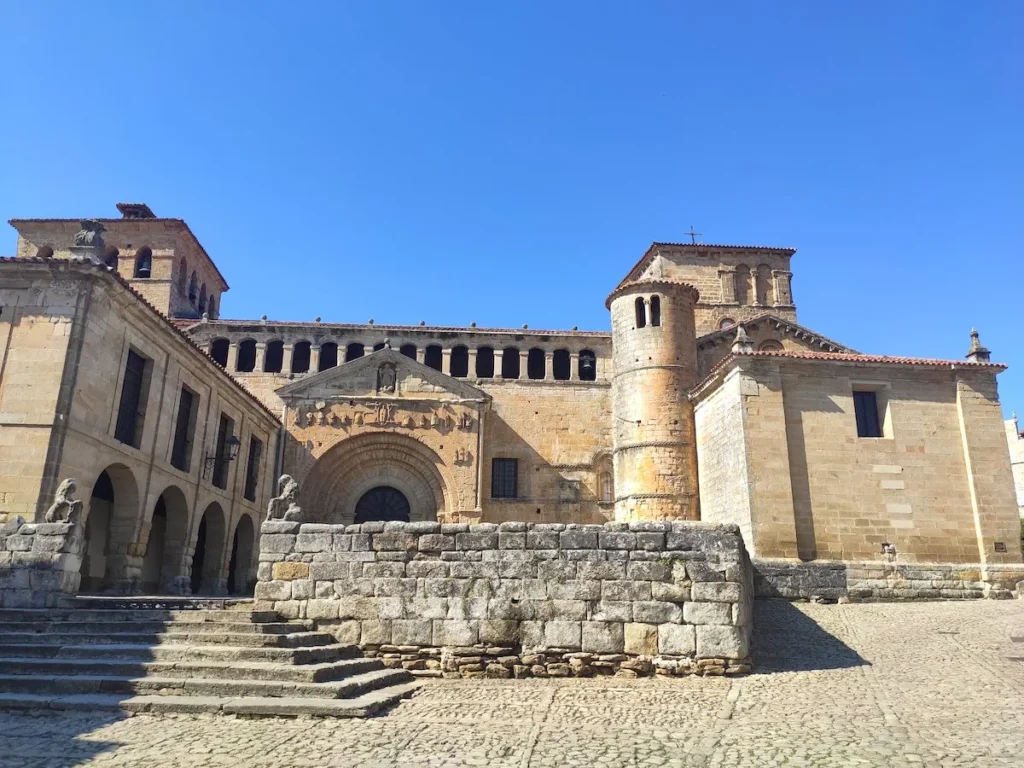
[[770, 345], [46, 252], [726, 322], [144, 262], [202, 298], [193, 287], [382, 503]]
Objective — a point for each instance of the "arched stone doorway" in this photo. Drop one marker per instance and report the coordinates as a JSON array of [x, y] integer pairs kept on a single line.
[[355, 467], [382, 503], [162, 568], [240, 577], [109, 561], [208, 554]]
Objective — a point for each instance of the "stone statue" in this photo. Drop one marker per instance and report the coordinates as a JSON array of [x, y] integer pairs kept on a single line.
[[285, 506], [64, 508], [91, 234], [386, 376]]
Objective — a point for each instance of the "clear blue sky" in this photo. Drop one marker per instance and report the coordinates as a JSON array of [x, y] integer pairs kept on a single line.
[[506, 163]]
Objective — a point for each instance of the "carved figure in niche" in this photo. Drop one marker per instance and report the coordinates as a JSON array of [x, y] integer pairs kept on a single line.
[[384, 413], [360, 419], [91, 234], [386, 376], [465, 420], [285, 506], [64, 508]]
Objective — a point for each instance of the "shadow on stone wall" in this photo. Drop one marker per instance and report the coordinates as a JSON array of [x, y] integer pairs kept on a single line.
[[787, 640]]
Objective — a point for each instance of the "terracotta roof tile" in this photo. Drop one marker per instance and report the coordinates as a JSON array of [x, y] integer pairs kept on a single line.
[[652, 281], [384, 327]]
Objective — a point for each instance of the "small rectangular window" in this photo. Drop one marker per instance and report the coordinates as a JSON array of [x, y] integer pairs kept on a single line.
[[504, 478], [865, 405], [184, 430], [132, 408], [252, 469], [220, 461]]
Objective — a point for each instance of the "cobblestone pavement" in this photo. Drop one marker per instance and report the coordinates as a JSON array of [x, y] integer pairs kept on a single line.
[[922, 684]]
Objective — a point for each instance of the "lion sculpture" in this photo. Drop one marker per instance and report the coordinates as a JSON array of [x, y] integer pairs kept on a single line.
[[285, 506], [64, 508]]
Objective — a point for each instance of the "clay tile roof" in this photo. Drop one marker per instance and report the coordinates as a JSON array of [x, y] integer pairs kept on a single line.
[[652, 251], [190, 323], [654, 282], [104, 270]]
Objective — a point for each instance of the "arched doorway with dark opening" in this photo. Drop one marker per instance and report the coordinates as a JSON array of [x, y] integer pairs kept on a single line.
[[240, 575], [208, 553], [110, 523], [163, 567], [382, 503]]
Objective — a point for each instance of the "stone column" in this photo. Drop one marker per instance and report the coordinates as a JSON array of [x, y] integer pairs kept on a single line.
[[232, 356], [783, 288], [728, 277], [574, 366], [314, 358], [207, 347], [471, 372], [261, 356], [421, 355], [498, 354], [524, 360], [549, 366], [446, 361], [286, 359], [755, 295]]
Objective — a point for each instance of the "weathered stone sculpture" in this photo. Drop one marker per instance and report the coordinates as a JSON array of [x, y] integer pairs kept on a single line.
[[90, 235], [386, 376], [64, 508], [285, 506]]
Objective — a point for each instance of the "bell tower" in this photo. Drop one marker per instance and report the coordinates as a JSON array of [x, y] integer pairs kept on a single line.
[[655, 365]]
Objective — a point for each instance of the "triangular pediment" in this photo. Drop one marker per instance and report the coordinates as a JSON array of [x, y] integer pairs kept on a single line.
[[383, 373], [781, 328]]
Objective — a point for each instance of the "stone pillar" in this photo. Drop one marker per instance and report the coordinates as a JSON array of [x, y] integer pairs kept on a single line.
[[728, 277], [574, 366], [286, 359], [783, 287], [421, 355], [524, 360], [498, 355], [755, 296], [261, 356], [549, 366], [471, 372], [314, 358], [446, 361], [232, 356], [207, 347]]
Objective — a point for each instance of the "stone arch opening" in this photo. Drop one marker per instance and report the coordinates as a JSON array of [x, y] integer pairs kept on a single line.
[[561, 364], [240, 576], [382, 503], [354, 351], [655, 311], [587, 365], [329, 356], [409, 350], [359, 464], [300, 357], [459, 364], [510, 363], [219, 351], [144, 262], [193, 287], [432, 357], [206, 577], [273, 361], [246, 356], [485, 363], [109, 562], [536, 363], [641, 313], [202, 298], [165, 546]]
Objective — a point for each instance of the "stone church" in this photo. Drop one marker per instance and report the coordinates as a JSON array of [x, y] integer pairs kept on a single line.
[[707, 400]]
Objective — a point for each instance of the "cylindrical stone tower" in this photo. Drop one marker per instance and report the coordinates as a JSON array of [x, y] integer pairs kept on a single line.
[[655, 365]]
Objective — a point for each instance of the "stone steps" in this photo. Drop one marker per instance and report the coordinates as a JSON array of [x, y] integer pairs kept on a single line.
[[206, 656]]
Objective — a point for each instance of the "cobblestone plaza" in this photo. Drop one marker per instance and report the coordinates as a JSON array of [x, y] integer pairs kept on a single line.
[[922, 684]]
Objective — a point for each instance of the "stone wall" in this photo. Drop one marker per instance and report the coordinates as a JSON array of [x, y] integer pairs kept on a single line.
[[522, 599], [1016, 444], [39, 562]]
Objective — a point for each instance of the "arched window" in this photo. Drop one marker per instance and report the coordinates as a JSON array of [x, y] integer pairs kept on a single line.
[[560, 365], [655, 310], [274, 359], [535, 364], [726, 322], [193, 288], [219, 351], [202, 298], [641, 314], [770, 345], [764, 285], [485, 363], [743, 295], [329, 355], [510, 363], [409, 350], [110, 257], [353, 351], [607, 487], [378, 346], [211, 308], [432, 357], [300, 357], [45, 252], [144, 262], [587, 366], [459, 362], [246, 356], [182, 273]]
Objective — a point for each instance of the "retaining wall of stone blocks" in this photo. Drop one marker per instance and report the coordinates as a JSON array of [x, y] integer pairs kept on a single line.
[[39, 563], [517, 598]]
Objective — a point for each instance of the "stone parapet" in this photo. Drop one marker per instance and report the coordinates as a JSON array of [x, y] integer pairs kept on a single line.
[[532, 599], [39, 562]]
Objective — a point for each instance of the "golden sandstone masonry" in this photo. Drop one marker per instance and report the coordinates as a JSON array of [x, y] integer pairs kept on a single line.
[[846, 474]]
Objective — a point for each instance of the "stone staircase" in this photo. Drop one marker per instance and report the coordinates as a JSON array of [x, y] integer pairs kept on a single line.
[[185, 655]]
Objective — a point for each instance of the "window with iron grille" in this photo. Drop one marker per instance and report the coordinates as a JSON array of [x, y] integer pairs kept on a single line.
[[504, 478], [220, 462], [865, 406], [252, 468], [184, 430], [133, 401]]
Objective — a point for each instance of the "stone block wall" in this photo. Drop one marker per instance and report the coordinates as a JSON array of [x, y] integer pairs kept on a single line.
[[519, 599], [39, 563]]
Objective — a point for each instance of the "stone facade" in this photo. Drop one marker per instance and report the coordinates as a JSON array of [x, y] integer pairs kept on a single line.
[[1015, 440], [39, 562], [522, 599]]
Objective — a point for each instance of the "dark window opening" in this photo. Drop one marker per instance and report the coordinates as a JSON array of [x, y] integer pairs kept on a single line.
[[378, 346], [510, 363], [110, 257], [219, 351], [144, 262], [504, 478], [46, 252], [193, 288], [865, 405], [133, 401], [587, 366], [274, 359], [354, 351], [252, 468], [300, 357], [329, 356], [459, 362], [485, 363], [432, 357], [220, 460], [641, 314], [246, 356], [211, 309], [409, 350], [382, 503], [655, 310], [560, 365], [182, 273], [184, 430], [202, 298], [535, 364]]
